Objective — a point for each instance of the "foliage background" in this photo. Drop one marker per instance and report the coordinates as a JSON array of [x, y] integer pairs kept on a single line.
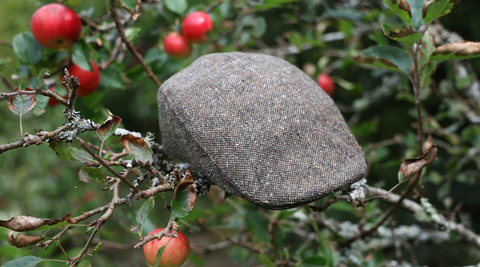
[[375, 103]]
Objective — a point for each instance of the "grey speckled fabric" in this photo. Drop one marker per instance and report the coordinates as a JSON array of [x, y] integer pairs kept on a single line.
[[259, 128]]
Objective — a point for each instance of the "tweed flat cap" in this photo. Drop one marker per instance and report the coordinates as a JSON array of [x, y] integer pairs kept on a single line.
[[260, 128]]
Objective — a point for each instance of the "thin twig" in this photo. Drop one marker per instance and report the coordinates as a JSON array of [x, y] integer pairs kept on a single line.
[[105, 164], [414, 207], [130, 46], [29, 139], [388, 213], [5, 43], [329, 203], [7, 82]]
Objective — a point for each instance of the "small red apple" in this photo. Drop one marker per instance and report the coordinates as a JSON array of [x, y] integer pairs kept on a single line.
[[326, 83], [89, 80], [176, 46], [196, 26], [174, 255], [56, 26]]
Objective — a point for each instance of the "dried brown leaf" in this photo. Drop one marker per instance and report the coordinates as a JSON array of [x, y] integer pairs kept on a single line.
[[428, 143], [373, 59], [186, 181], [110, 123], [192, 195], [402, 33], [22, 223], [21, 241], [403, 5], [23, 106], [411, 166], [464, 48], [128, 139]]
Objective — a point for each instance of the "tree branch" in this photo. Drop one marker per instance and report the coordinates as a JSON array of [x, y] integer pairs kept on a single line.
[[106, 165], [130, 46]]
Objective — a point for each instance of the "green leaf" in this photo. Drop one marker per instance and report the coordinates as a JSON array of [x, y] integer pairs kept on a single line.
[[92, 174], [130, 4], [258, 226], [160, 253], [406, 36], [387, 57], [350, 14], [42, 102], [84, 263], [177, 6], [192, 228], [97, 248], [459, 50], [416, 7], [266, 261], [314, 261], [270, 4], [21, 104], [81, 55], [5, 63], [74, 2], [402, 11], [426, 73], [108, 127], [27, 49], [438, 8], [62, 150], [426, 49], [259, 27], [132, 32], [180, 204], [111, 78], [38, 81], [81, 155], [137, 147], [145, 210], [28, 261]]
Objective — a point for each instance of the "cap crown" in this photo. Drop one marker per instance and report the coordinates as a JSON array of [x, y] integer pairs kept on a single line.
[[259, 128]]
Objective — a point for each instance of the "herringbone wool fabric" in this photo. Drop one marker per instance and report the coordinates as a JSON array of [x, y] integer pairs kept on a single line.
[[259, 128]]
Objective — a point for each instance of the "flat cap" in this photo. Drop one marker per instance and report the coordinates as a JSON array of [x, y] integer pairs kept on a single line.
[[259, 128]]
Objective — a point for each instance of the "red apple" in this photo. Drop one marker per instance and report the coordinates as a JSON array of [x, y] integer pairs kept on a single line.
[[326, 83], [176, 46], [56, 26], [89, 80], [196, 26], [174, 255]]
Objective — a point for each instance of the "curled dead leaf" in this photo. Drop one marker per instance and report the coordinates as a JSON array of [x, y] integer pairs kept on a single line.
[[186, 181], [372, 59], [464, 48], [411, 166], [428, 143], [21, 241], [401, 33], [110, 123], [128, 139], [22, 223], [402, 4], [192, 195]]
